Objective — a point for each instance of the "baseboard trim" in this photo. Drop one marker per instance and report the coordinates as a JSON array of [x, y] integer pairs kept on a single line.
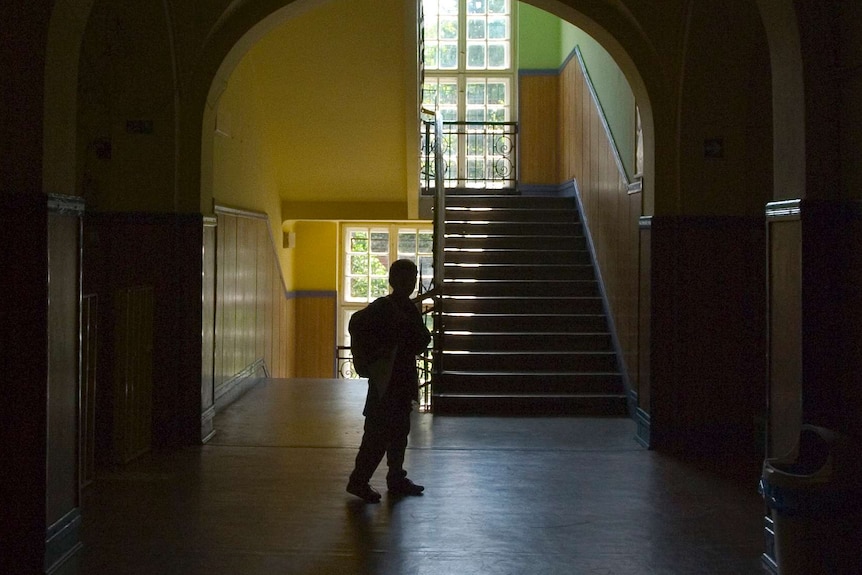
[[207, 424], [642, 419], [63, 542], [236, 386]]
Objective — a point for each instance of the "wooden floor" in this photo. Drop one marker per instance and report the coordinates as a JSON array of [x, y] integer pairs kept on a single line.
[[503, 496]]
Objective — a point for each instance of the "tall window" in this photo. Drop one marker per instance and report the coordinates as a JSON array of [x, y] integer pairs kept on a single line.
[[469, 77]]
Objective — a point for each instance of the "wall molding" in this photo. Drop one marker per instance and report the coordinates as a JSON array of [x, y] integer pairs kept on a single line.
[[207, 424], [65, 205], [298, 294], [784, 210], [642, 420], [232, 389], [63, 541], [606, 304]]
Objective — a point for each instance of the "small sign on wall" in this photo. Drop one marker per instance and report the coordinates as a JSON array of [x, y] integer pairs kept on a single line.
[[713, 148], [139, 126]]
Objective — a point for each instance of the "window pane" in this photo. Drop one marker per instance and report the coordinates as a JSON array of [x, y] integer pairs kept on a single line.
[[476, 28], [429, 95], [448, 56], [498, 28], [379, 242], [358, 264], [476, 115], [448, 6], [448, 29], [498, 7], [475, 144], [496, 93], [497, 115], [476, 94], [358, 242], [476, 56], [407, 242], [448, 94], [450, 115], [426, 242], [497, 56], [430, 28], [379, 266], [358, 288], [475, 6], [379, 287], [430, 57]]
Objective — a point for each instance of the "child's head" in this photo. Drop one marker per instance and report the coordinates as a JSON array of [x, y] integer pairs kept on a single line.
[[402, 277]]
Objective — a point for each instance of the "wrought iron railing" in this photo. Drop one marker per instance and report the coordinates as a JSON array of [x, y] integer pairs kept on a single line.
[[424, 362], [475, 155]]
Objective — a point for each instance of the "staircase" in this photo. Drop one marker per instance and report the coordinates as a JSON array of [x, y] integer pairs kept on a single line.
[[524, 325]]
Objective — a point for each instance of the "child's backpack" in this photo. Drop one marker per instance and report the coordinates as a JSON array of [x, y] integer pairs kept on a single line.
[[362, 340]]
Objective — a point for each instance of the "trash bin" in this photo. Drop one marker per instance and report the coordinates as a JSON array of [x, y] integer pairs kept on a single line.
[[813, 503]]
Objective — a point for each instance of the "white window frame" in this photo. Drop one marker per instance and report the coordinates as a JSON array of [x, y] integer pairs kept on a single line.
[[347, 304]]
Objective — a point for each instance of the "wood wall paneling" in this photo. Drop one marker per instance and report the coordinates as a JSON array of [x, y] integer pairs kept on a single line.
[[610, 211], [644, 316], [252, 323], [63, 365], [133, 373], [785, 335], [316, 337], [538, 97], [89, 372], [208, 327]]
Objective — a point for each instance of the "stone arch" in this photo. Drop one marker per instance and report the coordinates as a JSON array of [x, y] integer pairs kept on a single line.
[[788, 97]]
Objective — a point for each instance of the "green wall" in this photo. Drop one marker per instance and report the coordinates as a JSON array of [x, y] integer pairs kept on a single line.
[[614, 92], [539, 37]]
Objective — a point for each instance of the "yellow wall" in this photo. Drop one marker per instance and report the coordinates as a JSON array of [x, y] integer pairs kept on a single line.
[[338, 77], [315, 266], [343, 210], [243, 167]]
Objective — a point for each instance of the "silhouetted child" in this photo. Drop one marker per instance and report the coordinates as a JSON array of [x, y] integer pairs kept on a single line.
[[398, 335]]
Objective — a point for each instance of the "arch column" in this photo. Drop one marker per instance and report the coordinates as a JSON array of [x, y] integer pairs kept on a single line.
[[812, 227]]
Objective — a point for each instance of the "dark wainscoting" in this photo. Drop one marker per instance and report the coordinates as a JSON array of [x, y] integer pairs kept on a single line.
[[162, 252], [24, 257], [815, 274], [708, 336]]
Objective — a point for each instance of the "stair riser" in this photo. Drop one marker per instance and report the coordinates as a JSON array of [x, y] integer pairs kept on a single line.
[[583, 288], [537, 342], [554, 305], [532, 406], [509, 201], [576, 324], [510, 215], [521, 272], [518, 257], [516, 229], [578, 243], [540, 362], [511, 384]]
